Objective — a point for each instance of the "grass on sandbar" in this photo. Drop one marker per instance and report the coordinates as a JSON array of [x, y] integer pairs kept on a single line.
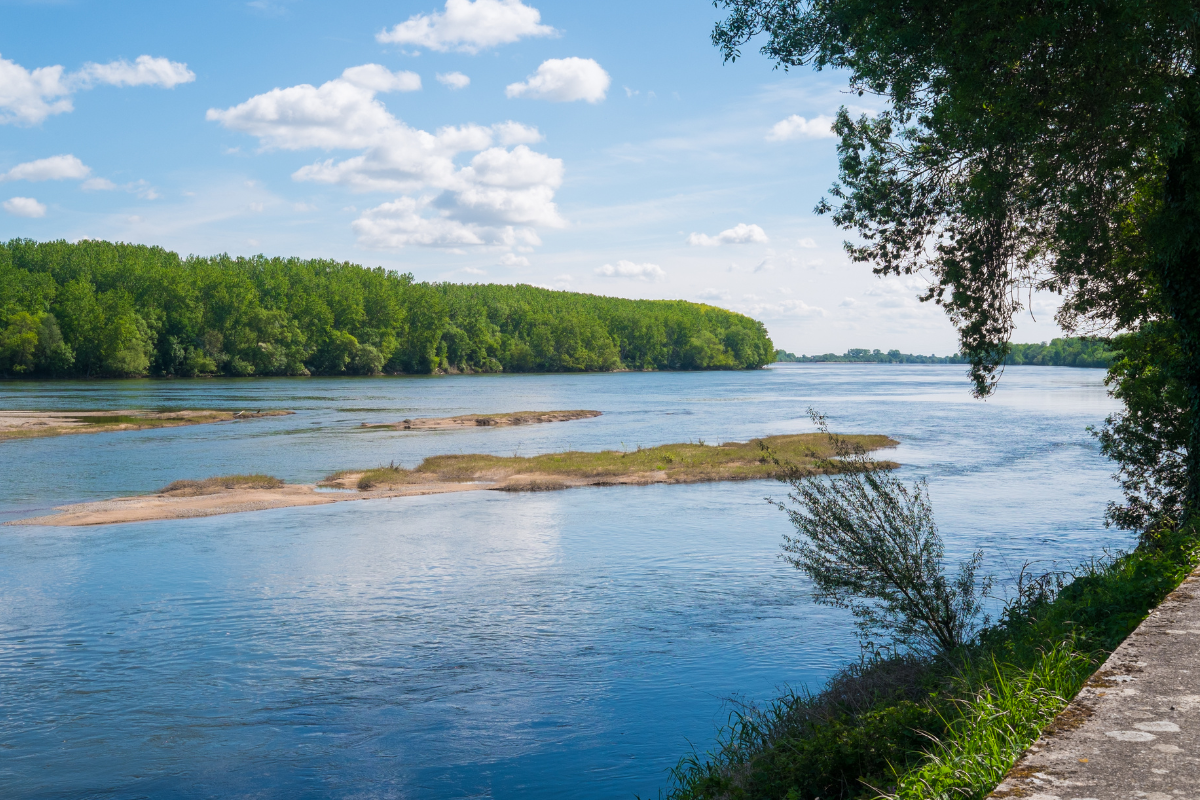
[[221, 483], [669, 463]]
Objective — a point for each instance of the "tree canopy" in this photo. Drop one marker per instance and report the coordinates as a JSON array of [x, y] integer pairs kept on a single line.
[[98, 309], [1023, 146]]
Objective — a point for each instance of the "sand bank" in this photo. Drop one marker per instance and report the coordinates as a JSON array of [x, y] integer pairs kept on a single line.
[[482, 420], [667, 464], [32, 424]]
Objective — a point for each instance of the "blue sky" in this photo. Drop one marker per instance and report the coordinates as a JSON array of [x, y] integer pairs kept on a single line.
[[598, 147]]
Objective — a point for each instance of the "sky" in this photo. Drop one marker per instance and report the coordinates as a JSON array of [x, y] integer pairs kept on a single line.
[[596, 147]]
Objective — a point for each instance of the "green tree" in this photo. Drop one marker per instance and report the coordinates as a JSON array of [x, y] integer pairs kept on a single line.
[[1023, 145]]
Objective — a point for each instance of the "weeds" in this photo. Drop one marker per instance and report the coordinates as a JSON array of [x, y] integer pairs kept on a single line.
[[221, 483]]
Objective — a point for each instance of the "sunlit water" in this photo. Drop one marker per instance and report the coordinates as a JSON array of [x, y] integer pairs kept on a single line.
[[562, 644]]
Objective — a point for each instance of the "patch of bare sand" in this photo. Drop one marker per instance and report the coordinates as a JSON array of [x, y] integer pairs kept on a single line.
[[232, 501], [36, 424], [482, 420]]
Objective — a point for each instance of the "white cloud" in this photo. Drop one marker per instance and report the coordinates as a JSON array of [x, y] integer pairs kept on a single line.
[[54, 168], [341, 113], [627, 269], [402, 222], [24, 207], [797, 127], [513, 260], [807, 243], [563, 80], [27, 97], [98, 185], [455, 80], [738, 234], [478, 203], [144, 71], [712, 294], [469, 26]]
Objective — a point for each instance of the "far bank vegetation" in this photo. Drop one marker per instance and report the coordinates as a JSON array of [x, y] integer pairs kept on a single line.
[[97, 309]]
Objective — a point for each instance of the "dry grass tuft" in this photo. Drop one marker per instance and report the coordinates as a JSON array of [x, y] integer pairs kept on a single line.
[[219, 484]]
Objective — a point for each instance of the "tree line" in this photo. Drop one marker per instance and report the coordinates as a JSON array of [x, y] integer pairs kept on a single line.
[[100, 309], [1070, 351]]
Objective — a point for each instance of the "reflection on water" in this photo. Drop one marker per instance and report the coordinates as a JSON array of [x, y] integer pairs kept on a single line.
[[468, 645]]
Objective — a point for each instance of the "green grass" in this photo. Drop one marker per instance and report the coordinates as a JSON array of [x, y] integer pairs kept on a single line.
[[934, 730], [672, 463], [220, 483]]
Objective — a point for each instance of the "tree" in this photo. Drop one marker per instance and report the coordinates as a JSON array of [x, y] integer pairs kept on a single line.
[[870, 544], [1024, 146]]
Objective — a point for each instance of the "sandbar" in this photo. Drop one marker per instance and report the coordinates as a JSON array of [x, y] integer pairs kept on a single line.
[[692, 462], [35, 424], [482, 420]]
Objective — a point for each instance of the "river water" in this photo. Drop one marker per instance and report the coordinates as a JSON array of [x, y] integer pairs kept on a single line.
[[480, 645]]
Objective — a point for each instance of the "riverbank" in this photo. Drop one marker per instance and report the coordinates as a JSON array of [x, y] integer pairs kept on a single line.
[[36, 424], [481, 420], [667, 464], [917, 729]]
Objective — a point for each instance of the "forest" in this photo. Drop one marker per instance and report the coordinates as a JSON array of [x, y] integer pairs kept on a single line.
[[1070, 351], [94, 309]]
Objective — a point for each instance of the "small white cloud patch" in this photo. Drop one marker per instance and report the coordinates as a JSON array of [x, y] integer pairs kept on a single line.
[[54, 168], [562, 80], [455, 80], [469, 26], [738, 234], [628, 269], [797, 127], [27, 97], [144, 71], [24, 207], [513, 260]]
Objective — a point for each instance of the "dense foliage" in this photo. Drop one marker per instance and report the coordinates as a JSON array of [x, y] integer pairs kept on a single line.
[[1022, 146], [1148, 438], [93, 309], [1075, 351]]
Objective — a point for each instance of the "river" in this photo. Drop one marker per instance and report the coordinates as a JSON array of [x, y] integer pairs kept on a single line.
[[480, 645]]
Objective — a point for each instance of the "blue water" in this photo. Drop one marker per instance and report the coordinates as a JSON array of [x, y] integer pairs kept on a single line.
[[481, 645]]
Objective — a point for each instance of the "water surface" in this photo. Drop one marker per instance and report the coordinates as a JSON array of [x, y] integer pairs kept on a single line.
[[482, 645]]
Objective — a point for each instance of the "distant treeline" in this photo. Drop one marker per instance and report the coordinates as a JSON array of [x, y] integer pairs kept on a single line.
[[97, 309], [1067, 352], [858, 355]]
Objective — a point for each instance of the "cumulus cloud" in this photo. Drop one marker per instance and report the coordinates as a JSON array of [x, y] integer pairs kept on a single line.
[[797, 127], [712, 294], [341, 113], [144, 71], [469, 26], [27, 97], [54, 168], [455, 80], [406, 222], [807, 243], [628, 269], [24, 207], [738, 234], [562, 80], [495, 198], [513, 260]]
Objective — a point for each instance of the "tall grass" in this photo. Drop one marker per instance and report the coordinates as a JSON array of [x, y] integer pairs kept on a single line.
[[946, 727]]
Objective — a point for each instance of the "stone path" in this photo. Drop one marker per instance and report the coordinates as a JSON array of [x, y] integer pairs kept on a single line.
[[1134, 730]]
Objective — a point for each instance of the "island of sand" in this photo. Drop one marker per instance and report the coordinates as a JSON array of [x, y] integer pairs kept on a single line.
[[482, 420], [33, 424], [808, 453]]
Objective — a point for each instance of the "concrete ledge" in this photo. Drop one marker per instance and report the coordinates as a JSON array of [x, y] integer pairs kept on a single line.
[[1134, 730]]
